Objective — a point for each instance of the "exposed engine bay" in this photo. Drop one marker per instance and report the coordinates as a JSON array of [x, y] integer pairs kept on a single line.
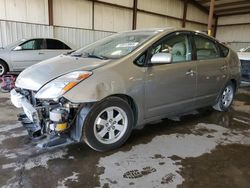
[[50, 122]]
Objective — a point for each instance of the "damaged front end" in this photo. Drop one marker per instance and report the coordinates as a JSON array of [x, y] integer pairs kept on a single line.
[[51, 123]]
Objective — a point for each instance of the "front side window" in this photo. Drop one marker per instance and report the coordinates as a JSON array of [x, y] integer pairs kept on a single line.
[[36, 44], [205, 48], [178, 46]]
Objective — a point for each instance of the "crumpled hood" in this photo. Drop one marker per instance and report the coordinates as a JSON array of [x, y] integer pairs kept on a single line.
[[34, 77]]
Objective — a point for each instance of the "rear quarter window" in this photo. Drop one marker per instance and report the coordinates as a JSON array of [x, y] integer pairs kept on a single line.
[[224, 50], [53, 44]]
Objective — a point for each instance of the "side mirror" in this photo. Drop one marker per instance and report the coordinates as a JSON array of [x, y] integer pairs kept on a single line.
[[161, 58], [17, 48]]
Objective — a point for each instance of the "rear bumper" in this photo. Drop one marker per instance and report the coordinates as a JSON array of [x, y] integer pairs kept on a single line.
[[245, 69]]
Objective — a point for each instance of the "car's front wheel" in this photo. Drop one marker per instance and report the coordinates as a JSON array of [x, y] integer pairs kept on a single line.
[[108, 124], [3, 68], [226, 98]]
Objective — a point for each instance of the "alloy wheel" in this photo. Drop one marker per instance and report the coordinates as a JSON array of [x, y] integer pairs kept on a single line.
[[110, 125], [227, 96], [1, 70]]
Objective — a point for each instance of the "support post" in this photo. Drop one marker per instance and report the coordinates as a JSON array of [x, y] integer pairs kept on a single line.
[[215, 26], [50, 12], [184, 13], [135, 14], [210, 17], [93, 14]]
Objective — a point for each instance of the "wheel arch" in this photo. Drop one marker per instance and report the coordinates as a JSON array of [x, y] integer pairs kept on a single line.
[[235, 84], [76, 133], [8, 67], [131, 103]]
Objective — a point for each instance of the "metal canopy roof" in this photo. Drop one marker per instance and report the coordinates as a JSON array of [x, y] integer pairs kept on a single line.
[[227, 7]]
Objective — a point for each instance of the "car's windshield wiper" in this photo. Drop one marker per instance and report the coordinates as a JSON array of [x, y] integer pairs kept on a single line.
[[96, 56], [86, 54], [76, 54], [69, 52]]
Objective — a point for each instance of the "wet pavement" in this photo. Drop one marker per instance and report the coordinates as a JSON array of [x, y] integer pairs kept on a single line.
[[202, 149]]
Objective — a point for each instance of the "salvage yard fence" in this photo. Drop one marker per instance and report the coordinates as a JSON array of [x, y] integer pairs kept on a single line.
[[11, 31]]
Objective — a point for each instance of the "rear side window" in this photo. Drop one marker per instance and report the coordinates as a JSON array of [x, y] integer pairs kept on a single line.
[[205, 48], [56, 45], [224, 50]]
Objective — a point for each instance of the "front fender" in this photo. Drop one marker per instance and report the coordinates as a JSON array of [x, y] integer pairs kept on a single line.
[[122, 78], [97, 87], [118, 78], [6, 58]]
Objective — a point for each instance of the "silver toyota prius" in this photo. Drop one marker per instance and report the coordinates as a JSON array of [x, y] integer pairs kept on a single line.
[[100, 93]]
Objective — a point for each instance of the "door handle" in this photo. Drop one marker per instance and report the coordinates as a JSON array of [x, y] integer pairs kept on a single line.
[[190, 72], [40, 53]]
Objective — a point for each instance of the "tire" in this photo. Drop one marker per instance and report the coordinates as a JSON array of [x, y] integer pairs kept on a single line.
[[3, 68], [108, 124], [226, 98]]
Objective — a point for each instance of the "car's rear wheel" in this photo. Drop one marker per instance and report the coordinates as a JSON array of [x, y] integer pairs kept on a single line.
[[108, 124], [226, 98], [3, 68]]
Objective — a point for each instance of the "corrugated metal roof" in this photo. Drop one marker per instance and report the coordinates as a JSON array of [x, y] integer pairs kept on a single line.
[[227, 7]]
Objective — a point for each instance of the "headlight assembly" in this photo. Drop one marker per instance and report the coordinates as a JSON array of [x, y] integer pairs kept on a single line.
[[62, 84]]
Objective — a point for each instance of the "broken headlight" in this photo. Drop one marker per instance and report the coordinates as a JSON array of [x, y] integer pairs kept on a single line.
[[56, 88]]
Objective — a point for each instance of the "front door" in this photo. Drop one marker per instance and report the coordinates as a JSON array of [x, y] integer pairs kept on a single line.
[[171, 88], [30, 52]]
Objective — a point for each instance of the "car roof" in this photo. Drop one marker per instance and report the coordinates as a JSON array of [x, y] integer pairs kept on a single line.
[[165, 30], [25, 39]]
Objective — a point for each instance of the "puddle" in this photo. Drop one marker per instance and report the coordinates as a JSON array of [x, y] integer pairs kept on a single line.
[[241, 106], [162, 156], [227, 166], [73, 178]]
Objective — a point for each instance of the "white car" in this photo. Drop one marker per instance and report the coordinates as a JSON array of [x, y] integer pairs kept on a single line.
[[26, 52], [244, 56]]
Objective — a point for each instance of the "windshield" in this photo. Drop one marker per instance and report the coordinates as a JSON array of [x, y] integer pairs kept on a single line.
[[115, 46]]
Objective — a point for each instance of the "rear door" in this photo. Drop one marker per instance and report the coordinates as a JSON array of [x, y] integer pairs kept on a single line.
[[29, 53], [171, 88], [211, 68], [54, 48]]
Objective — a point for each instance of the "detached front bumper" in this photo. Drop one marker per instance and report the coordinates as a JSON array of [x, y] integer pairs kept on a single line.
[[48, 123], [29, 118], [19, 101]]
